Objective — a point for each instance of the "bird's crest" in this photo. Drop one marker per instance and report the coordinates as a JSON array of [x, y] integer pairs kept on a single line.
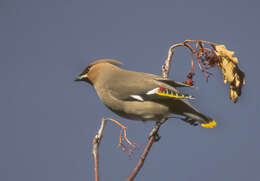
[[110, 61]]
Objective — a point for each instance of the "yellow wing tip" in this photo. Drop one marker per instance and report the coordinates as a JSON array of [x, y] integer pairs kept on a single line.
[[211, 124]]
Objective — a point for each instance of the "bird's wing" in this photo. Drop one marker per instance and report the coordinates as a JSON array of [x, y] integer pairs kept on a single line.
[[143, 87], [159, 93]]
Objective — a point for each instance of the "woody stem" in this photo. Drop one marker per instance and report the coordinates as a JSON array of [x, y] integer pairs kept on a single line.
[[96, 142], [153, 138]]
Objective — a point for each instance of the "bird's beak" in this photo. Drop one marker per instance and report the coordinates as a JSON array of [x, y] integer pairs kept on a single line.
[[77, 79], [82, 78]]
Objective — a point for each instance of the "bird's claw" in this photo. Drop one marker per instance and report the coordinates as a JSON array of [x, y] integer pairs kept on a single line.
[[157, 137], [154, 133]]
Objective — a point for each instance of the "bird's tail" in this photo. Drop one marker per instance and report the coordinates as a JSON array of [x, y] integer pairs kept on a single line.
[[204, 121], [189, 111]]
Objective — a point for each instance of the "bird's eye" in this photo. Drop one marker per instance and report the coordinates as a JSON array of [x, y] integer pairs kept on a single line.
[[86, 70]]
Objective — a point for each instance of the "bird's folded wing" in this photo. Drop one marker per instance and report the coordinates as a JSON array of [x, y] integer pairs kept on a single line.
[[142, 86], [159, 93]]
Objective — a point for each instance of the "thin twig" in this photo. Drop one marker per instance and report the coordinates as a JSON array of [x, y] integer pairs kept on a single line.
[[167, 64], [96, 142], [142, 159], [123, 137], [202, 41], [153, 138], [195, 52]]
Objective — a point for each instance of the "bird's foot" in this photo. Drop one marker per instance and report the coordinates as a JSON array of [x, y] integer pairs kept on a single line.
[[193, 122], [157, 137], [155, 130], [123, 138], [190, 121]]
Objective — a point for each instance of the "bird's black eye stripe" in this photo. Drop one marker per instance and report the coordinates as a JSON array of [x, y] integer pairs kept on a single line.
[[85, 71]]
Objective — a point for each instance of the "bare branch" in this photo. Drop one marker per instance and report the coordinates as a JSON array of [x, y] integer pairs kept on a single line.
[[142, 159], [167, 64], [123, 137], [154, 137], [96, 142]]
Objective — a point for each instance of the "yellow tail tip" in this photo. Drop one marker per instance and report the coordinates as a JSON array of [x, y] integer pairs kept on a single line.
[[211, 124]]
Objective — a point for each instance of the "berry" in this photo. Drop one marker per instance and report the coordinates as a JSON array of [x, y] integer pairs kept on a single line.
[[190, 75], [189, 82]]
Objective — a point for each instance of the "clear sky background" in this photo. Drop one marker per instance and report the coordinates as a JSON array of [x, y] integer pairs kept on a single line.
[[48, 121]]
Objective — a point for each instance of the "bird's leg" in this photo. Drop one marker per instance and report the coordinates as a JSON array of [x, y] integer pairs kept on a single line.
[[156, 128], [123, 138]]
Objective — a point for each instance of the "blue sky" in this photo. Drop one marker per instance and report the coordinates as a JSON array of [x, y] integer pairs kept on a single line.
[[48, 121]]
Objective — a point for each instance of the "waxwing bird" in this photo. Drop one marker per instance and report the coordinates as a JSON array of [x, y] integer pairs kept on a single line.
[[141, 96]]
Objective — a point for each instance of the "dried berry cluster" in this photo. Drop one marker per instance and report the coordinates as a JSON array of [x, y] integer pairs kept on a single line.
[[216, 55]]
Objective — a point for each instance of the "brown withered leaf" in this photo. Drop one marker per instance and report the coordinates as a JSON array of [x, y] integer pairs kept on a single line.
[[230, 70]]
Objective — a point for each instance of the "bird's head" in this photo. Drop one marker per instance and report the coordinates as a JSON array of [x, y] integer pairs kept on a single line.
[[93, 70]]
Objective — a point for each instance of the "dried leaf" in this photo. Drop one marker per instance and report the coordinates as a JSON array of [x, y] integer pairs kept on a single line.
[[230, 70]]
